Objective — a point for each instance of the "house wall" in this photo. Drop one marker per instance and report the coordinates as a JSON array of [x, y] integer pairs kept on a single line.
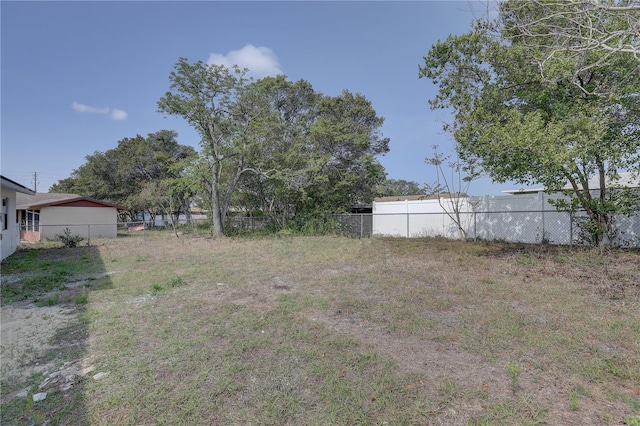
[[9, 237], [83, 221]]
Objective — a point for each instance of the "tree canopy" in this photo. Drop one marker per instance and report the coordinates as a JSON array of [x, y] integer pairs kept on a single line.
[[531, 107], [275, 146], [140, 173], [575, 29], [270, 147], [393, 187], [219, 104]]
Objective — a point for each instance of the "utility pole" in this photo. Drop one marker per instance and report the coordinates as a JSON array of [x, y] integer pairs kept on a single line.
[[35, 181]]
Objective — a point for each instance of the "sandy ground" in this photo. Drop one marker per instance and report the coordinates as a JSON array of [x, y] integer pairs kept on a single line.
[[25, 333]]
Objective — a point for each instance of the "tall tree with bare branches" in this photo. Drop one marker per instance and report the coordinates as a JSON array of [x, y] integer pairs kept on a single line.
[[583, 33]]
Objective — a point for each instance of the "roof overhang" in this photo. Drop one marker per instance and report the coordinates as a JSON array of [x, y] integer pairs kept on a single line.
[[420, 197], [623, 180], [76, 202], [523, 191], [15, 186]]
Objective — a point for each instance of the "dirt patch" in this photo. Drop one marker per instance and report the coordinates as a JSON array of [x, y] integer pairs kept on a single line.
[[434, 360], [27, 332]]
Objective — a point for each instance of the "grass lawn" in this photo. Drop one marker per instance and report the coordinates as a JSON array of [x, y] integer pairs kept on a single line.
[[326, 331]]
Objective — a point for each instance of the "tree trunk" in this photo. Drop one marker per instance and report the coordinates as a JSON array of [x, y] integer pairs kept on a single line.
[[216, 211], [603, 217], [186, 209]]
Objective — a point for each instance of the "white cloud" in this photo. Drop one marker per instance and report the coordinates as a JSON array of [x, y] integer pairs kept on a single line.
[[86, 108], [261, 61], [114, 114], [118, 114]]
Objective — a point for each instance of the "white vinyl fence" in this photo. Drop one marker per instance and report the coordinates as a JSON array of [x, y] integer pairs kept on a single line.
[[525, 218]]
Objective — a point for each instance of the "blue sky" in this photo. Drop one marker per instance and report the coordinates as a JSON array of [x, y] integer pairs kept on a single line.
[[77, 77]]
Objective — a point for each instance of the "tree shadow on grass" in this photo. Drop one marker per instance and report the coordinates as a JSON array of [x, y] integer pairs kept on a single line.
[[45, 328]]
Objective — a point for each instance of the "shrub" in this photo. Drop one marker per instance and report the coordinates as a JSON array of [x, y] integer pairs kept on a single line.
[[69, 240]]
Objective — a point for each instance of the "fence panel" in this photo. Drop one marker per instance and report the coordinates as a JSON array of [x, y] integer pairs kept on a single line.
[[54, 232], [522, 226], [248, 222], [355, 224], [627, 230]]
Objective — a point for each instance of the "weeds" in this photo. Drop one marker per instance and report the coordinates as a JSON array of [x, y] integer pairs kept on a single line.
[[329, 330], [632, 421], [514, 371], [575, 394], [49, 301], [82, 298], [176, 282], [521, 411]]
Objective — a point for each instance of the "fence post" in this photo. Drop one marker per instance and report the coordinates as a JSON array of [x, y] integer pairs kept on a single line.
[[542, 238], [475, 226], [361, 225], [89, 234], [570, 230], [406, 204]]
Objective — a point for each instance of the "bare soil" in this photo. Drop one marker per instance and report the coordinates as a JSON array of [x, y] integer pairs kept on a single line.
[[27, 330]]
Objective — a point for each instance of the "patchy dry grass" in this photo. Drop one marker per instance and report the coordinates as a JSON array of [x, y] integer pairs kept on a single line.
[[327, 330]]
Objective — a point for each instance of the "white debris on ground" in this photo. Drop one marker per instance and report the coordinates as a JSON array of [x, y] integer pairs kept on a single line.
[[25, 332]]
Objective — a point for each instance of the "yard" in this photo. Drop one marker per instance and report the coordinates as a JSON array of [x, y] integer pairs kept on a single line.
[[320, 331]]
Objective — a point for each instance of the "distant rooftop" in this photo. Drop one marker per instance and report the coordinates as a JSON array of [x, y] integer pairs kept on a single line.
[[420, 197], [25, 201], [627, 180]]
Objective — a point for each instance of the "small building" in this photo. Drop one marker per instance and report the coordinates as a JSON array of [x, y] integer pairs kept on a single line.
[[624, 180], [44, 216], [421, 215], [10, 236]]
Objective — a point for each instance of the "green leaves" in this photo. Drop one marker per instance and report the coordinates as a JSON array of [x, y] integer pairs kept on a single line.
[[531, 108], [139, 174], [273, 146]]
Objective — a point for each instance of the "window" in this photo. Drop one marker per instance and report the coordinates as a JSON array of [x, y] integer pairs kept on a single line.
[[5, 212]]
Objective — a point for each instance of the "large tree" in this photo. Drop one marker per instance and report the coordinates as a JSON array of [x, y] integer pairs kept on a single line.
[[222, 106], [561, 119], [140, 173], [322, 153], [276, 146], [288, 155], [346, 137]]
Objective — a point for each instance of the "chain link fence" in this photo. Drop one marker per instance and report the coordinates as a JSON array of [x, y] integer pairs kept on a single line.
[[36, 232], [355, 224], [532, 227], [524, 218], [522, 226]]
